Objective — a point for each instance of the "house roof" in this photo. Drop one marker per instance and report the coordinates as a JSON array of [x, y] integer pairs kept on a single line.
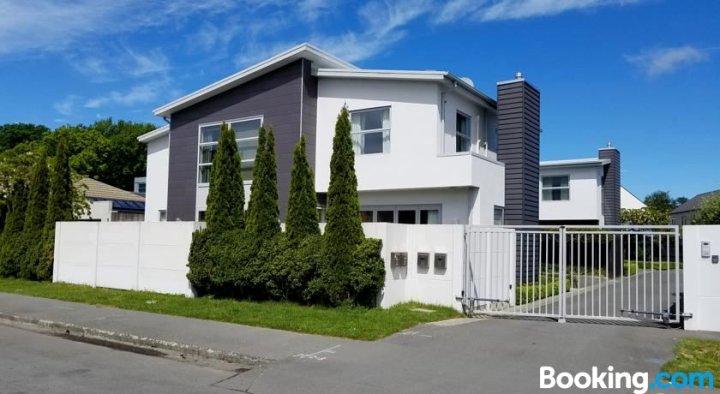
[[306, 51], [157, 133], [407, 75], [99, 191], [694, 203], [575, 163]]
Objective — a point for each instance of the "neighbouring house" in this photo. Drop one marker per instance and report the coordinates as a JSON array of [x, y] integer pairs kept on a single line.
[[684, 213], [629, 201], [430, 147], [139, 184], [581, 191], [111, 204]]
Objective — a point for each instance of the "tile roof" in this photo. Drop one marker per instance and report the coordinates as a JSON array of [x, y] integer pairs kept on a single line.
[[96, 190], [694, 203]]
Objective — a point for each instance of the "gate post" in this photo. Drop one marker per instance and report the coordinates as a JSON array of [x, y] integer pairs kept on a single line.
[[563, 274]]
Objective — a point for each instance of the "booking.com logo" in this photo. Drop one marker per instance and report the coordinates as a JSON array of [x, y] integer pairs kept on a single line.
[[611, 379]]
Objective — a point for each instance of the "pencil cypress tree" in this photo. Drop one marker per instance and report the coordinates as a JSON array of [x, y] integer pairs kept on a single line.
[[59, 207], [12, 232], [35, 217], [226, 197], [254, 187], [302, 215], [264, 218], [343, 232]]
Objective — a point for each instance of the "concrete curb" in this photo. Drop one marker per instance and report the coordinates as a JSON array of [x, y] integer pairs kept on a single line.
[[75, 331]]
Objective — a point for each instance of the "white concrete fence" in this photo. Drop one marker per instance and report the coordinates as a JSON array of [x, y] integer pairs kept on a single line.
[[701, 277], [153, 257]]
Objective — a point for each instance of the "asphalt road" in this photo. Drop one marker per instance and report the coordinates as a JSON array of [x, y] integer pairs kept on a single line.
[[37, 363], [475, 356]]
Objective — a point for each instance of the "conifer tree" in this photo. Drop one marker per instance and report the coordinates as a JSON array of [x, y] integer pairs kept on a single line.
[[35, 217], [254, 187], [344, 228], [12, 232], [264, 217], [302, 215], [226, 197], [59, 207]]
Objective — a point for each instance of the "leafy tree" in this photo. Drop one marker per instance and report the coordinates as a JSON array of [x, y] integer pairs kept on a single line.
[[9, 240], [709, 211], [660, 201], [35, 217], [60, 206], [644, 217], [14, 134], [302, 215], [263, 215], [343, 232], [226, 198]]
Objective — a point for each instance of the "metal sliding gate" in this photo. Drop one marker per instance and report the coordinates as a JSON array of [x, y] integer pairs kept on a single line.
[[582, 272]]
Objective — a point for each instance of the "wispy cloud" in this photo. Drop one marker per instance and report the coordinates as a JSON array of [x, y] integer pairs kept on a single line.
[[663, 61], [312, 10], [144, 93], [66, 106], [516, 9], [108, 64]]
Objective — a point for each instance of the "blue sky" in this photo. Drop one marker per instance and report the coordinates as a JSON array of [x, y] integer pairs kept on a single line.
[[643, 74]]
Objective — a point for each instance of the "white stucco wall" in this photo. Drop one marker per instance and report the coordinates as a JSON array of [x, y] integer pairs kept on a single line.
[[701, 278], [629, 201], [156, 188], [585, 201], [99, 210]]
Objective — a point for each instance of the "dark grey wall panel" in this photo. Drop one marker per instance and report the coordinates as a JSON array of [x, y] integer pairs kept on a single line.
[[519, 148], [276, 96], [611, 186]]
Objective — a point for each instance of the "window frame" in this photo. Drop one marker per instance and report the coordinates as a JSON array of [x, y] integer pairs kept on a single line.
[[395, 209], [552, 188], [502, 215], [372, 131], [458, 134], [215, 143]]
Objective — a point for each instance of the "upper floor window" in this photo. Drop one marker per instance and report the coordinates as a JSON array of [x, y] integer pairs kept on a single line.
[[371, 130], [555, 188], [462, 133], [498, 216], [246, 135]]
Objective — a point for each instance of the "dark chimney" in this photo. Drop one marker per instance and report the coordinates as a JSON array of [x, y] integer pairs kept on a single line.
[[518, 105], [611, 185]]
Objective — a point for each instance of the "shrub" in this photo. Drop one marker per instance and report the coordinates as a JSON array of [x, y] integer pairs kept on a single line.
[[644, 216], [292, 266], [302, 215], [226, 197], [709, 211], [10, 248]]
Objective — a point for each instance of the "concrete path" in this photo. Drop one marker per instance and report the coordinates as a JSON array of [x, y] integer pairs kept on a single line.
[[466, 355]]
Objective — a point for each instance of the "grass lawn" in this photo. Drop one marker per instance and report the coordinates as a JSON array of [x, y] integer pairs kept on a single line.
[[355, 323], [696, 355], [547, 286], [631, 267]]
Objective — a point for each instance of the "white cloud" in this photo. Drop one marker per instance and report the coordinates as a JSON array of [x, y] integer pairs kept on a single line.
[[144, 93], [66, 106], [516, 9], [666, 60], [312, 10]]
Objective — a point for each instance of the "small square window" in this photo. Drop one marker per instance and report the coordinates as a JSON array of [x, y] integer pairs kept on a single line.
[[406, 216], [556, 188], [386, 216], [371, 130], [366, 216]]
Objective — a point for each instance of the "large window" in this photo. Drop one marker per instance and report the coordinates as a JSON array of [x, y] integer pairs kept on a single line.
[[246, 134], [371, 130], [462, 133], [556, 188]]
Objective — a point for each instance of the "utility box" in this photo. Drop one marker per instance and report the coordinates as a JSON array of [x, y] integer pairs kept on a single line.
[[440, 261], [398, 259], [423, 260]]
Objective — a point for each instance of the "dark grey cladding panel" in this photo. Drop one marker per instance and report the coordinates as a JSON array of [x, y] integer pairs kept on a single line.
[[309, 110], [519, 148], [276, 96], [611, 186]]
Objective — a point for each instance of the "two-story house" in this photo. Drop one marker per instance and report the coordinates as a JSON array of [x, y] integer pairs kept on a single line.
[[430, 148]]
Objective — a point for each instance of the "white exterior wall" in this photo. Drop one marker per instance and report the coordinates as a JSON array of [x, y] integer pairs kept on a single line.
[[125, 255], [416, 161], [156, 188], [202, 193], [629, 201], [99, 210], [585, 201], [701, 278]]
